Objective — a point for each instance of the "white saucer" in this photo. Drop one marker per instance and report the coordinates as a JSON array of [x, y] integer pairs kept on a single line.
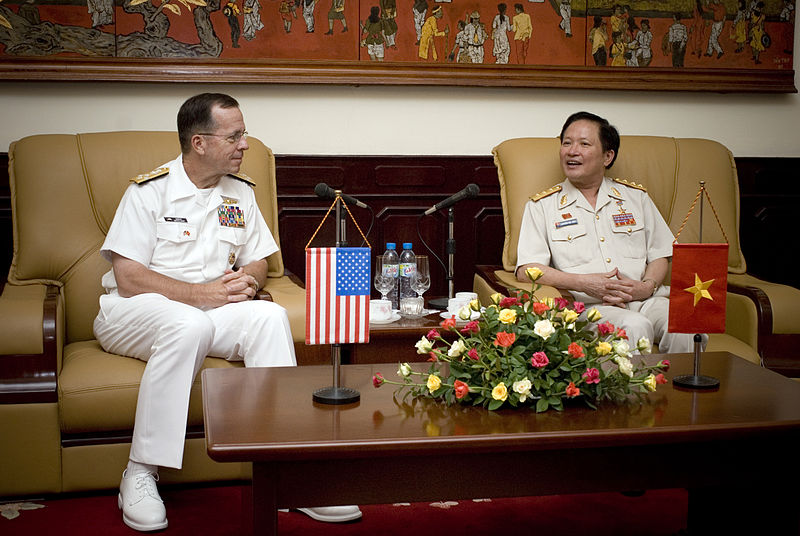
[[446, 315], [395, 317]]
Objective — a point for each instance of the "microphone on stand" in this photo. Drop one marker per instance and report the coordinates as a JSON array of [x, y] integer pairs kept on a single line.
[[326, 192], [471, 190]]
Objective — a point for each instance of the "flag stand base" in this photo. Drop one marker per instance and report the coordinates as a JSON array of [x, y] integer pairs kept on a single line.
[[696, 381], [336, 395]]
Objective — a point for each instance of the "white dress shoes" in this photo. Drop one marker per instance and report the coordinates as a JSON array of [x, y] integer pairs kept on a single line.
[[332, 514], [141, 505]]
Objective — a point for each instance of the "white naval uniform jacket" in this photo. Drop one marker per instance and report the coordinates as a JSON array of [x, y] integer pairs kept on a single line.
[[170, 226], [624, 230]]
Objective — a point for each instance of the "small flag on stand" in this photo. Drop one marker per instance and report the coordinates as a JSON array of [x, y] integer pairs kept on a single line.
[[337, 295], [698, 290]]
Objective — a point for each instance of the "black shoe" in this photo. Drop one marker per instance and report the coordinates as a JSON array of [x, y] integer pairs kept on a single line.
[[720, 55]]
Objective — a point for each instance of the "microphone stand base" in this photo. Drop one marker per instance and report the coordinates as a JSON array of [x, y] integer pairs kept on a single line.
[[336, 395], [696, 382], [438, 303]]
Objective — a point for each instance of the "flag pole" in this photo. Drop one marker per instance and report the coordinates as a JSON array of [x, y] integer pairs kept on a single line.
[[696, 380], [335, 394]]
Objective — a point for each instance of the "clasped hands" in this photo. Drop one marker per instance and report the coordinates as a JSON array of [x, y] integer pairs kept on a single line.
[[235, 286], [614, 288]]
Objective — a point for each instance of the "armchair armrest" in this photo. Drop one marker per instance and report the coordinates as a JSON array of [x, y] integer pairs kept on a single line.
[[28, 344]]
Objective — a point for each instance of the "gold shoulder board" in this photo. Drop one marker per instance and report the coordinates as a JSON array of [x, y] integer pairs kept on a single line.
[[144, 177], [244, 178], [631, 184], [549, 191]]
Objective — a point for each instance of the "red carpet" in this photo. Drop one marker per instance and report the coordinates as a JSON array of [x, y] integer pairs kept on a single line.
[[216, 511]]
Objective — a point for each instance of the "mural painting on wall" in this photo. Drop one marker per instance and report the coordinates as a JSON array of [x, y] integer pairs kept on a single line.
[[723, 34]]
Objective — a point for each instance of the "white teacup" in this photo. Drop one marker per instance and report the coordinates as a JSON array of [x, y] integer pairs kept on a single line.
[[455, 304], [380, 309], [411, 306], [469, 296]]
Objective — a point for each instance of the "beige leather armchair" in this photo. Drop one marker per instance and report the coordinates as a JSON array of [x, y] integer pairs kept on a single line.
[[66, 406], [670, 169]]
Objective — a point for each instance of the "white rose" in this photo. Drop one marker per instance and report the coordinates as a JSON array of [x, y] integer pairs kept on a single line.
[[644, 346], [523, 388], [404, 370], [543, 328], [622, 348], [625, 366], [424, 346], [457, 348], [465, 313]]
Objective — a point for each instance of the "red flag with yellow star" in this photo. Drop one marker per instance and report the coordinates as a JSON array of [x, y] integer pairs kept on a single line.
[[698, 290]]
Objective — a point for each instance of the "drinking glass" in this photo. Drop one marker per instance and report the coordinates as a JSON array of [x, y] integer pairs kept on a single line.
[[421, 280], [383, 282]]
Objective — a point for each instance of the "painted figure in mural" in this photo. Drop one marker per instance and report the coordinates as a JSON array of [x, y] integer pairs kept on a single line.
[[718, 13], [598, 37], [757, 32], [460, 45], [231, 12], [389, 14], [618, 49], [643, 41], [676, 39], [616, 22], [501, 25], [523, 31], [336, 12], [476, 36], [252, 19], [739, 27], [697, 30], [429, 31], [288, 11], [373, 34], [102, 12], [308, 14], [419, 9], [787, 22], [565, 8]]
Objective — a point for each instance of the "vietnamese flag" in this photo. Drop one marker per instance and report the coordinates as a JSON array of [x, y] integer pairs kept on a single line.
[[698, 289]]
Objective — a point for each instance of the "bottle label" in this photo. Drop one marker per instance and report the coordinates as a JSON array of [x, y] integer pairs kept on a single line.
[[390, 270], [407, 270]]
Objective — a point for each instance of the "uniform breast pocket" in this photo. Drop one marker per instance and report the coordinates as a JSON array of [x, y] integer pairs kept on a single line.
[[231, 243], [570, 246], [175, 243], [633, 240]]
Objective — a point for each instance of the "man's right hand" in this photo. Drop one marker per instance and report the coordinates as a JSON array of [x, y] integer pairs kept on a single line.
[[601, 286]]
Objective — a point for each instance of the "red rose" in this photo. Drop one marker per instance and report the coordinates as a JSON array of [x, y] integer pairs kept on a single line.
[[572, 391], [592, 375], [461, 388], [621, 334], [432, 334], [433, 356], [664, 364], [605, 328], [473, 354], [660, 379], [450, 323], [561, 303], [471, 327], [505, 339], [377, 380], [539, 360], [579, 307], [540, 308], [508, 302], [575, 350]]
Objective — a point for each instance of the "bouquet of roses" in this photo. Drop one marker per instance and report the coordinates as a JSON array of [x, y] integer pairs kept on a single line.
[[522, 351]]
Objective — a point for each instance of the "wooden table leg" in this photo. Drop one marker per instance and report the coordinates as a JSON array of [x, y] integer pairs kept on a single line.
[[262, 510]]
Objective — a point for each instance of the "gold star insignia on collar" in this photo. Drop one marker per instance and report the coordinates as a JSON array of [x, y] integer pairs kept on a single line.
[[700, 289]]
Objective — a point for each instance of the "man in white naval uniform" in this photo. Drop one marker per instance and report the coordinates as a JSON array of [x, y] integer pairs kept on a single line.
[[188, 248], [602, 239]]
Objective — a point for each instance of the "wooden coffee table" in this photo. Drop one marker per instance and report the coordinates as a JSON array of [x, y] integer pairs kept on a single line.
[[734, 448]]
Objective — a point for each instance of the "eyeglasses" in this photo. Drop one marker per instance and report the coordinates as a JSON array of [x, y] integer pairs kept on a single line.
[[230, 138]]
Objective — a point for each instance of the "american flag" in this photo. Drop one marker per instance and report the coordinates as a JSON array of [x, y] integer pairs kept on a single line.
[[337, 295]]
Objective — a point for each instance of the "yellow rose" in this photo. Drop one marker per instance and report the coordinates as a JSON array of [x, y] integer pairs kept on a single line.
[[496, 297], [548, 301], [434, 382], [650, 382], [475, 305], [500, 392], [507, 316], [533, 273], [593, 315], [570, 316], [603, 348]]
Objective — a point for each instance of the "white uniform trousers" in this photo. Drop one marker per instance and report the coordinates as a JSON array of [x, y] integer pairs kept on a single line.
[[648, 318], [174, 338]]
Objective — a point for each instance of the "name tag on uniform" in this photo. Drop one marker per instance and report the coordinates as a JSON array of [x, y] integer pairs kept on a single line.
[[175, 220], [566, 223], [624, 218], [230, 215]]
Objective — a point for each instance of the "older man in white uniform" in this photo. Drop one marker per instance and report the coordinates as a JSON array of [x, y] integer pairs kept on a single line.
[[601, 239], [188, 248]]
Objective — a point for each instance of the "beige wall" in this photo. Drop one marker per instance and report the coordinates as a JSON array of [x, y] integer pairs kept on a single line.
[[306, 119]]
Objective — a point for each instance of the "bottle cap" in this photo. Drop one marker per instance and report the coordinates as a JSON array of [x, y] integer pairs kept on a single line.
[[390, 245], [407, 245]]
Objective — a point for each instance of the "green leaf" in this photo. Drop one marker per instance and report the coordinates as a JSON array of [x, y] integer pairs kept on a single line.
[[542, 405], [495, 404]]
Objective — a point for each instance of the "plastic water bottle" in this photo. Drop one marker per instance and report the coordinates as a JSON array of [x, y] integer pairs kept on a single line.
[[391, 266], [408, 265]]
